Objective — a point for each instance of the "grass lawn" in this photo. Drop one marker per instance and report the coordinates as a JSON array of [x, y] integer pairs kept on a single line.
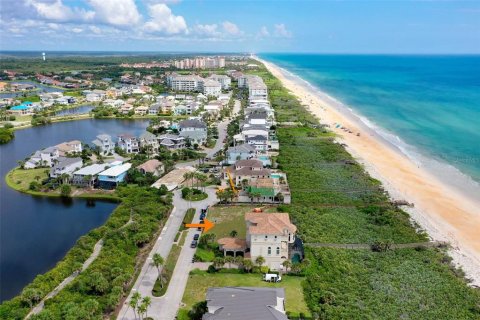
[[167, 271], [188, 218], [199, 283], [196, 197], [204, 255], [228, 218], [20, 179]]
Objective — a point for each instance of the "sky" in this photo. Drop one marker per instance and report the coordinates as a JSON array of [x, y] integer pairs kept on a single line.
[[358, 26]]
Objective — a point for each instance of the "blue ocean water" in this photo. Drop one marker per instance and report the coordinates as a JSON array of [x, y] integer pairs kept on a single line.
[[431, 103]]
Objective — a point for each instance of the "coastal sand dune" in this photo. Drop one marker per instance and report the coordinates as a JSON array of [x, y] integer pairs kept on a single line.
[[443, 211]]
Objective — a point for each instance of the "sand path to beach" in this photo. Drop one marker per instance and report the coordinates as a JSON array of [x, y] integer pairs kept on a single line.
[[444, 212]]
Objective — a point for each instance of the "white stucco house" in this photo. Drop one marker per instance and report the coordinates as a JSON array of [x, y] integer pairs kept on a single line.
[[270, 235]]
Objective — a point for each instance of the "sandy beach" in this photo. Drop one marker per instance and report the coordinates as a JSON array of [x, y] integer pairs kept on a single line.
[[446, 213]]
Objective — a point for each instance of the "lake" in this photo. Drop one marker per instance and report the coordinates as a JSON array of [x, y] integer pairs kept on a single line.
[[37, 232], [41, 88]]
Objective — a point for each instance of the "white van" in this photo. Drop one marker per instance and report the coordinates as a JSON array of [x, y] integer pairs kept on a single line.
[[272, 277]]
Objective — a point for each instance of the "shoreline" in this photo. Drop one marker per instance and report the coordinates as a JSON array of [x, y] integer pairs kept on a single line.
[[452, 216], [86, 196]]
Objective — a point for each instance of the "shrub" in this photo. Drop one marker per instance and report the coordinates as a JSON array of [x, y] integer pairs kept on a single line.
[[65, 190]]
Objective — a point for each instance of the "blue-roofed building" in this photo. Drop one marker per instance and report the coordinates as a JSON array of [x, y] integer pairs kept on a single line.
[[26, 108], [110, 178]]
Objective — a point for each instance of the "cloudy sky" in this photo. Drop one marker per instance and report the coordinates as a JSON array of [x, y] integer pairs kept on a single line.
[[249, 26]]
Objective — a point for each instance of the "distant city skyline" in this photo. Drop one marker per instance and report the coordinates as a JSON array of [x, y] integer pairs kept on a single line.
[[417, 27]]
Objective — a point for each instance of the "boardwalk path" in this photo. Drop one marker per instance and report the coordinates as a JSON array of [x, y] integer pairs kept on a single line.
[[96, 251], [369, 245]]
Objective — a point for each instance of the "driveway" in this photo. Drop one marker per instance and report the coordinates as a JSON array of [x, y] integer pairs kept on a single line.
[[166, 307]]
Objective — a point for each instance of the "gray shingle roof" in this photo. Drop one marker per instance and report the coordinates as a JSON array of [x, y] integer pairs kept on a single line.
[[192, 124], [243, 303]]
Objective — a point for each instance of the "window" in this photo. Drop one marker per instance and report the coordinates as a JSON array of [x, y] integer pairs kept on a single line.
[[275, 238], [278, 251], [269, 250], [266, 237]]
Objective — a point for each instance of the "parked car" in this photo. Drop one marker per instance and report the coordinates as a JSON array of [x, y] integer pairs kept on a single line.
[[193, 244], [196, 236], [272, 277]]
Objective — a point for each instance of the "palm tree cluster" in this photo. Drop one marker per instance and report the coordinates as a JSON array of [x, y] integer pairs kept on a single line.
[[197, 178], [140, 305]]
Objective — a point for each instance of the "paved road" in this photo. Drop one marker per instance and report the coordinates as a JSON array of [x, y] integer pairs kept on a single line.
[[96, 251], [166, 307]]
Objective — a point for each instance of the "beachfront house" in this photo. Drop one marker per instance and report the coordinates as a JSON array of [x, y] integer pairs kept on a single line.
[[240, 152], [88, 176], [270, 235], [128, 143], [239, 303], [65, 166], [104, 144], [250, 170], [42, 158], [112, 177]]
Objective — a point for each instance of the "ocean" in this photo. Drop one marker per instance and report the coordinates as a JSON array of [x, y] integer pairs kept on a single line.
[[427, 106]]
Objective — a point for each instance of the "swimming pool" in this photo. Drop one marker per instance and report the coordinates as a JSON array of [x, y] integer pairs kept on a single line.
[[276, 176]]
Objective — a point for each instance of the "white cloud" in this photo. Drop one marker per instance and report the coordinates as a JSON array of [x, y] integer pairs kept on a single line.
[[263, 32], [231, 28], [281, 31], [57, 11], [53, 26], [164, 21], [77, 30], [95, 29], [210, 30], [116, 12]]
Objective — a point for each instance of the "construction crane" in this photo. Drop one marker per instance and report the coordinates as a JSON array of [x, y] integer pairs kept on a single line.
[[232, 185]]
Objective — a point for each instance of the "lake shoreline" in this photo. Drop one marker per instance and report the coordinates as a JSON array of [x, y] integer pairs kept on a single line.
[[452, 217]]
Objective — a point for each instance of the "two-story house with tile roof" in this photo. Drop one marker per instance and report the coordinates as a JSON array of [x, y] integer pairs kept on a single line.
[[270, 235]]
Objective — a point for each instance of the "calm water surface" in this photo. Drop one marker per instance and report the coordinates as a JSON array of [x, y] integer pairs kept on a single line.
[[35, 232]]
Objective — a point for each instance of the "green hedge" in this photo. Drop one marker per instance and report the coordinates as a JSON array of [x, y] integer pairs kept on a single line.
[[108, 278]]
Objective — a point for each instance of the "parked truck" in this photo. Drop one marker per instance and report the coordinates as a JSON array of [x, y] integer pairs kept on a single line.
[[272, 277]]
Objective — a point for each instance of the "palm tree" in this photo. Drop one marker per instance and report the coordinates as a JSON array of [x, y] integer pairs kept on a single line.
[[260, 261], [247, 264], [134, 302], [244, 183], [287, 264], [158, 261], [143, 307], [64, 178], [233, 233], [238, 260], [229, 260], [218, 262]]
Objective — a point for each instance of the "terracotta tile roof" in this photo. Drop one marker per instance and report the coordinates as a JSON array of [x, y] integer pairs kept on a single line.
[[232, 243], [252, 163], [269, 223], [150, 165]]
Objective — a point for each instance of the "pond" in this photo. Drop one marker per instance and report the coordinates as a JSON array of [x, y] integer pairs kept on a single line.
[[36, 232]]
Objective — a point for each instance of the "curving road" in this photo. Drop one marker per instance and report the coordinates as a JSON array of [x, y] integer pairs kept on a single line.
[[166, 307]]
